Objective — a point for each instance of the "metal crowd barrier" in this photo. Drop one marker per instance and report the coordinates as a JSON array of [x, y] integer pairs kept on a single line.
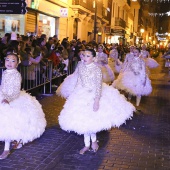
[[1, 71]]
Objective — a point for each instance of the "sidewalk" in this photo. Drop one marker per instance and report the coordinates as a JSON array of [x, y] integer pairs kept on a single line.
[[142, 144]]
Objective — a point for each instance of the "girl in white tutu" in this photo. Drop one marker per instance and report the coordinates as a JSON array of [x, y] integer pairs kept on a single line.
[[114, 61], [150, 62], [129, 56], [134, 79], [102, 61], [21, 116], [93, 106]]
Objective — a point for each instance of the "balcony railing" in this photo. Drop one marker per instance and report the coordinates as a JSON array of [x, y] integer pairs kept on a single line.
[[89, 6], [120, 22], [84, 4]]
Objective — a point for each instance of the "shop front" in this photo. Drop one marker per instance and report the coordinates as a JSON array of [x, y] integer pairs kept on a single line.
[[41, 18]]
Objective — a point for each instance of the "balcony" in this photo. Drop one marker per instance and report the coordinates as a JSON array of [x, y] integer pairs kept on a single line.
[[120, 22], [106, 14], [84, 4]]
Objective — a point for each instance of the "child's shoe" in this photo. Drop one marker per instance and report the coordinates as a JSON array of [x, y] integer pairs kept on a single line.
[[95, 146], [82, 151], [4, 155]]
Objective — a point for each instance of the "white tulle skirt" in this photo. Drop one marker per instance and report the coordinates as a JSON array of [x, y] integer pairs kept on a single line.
[[133, 84], [115, 66], [107, 74], [67, 86], [78, 115], [151, 63], [22, 119]]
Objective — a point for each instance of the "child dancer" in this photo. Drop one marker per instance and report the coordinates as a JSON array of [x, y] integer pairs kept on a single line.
[[21, 116], [128, 58], [134, 79], [102, 61], [114, 61], [150, 62], [98, 106]]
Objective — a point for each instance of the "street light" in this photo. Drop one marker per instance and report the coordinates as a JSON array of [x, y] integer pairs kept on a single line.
[[142, 30]]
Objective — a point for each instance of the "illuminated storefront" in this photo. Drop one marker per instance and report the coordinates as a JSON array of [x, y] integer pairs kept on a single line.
[[41, 18]]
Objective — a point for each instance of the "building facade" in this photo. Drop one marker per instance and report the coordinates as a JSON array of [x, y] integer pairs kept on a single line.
[[112, 21]]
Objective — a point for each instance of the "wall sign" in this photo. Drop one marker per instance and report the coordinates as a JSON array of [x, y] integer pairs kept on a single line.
[[13, 7]]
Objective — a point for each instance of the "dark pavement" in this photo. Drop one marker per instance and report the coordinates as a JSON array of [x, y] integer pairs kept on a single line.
[[143, 143]]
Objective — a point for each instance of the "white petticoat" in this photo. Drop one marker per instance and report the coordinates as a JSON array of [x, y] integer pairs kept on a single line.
[[67, 86], [151, 63], [115, 66], [107, 74], [133, 84], [22, 119], [78, 115]]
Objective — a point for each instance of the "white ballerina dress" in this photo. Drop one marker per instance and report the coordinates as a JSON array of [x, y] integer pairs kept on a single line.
[[23, 118], [133, 78], [107, 73], [77, 114], [150, 62], [67, 86]]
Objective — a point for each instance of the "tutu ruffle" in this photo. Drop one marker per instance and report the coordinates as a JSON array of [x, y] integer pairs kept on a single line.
[[67, 86], [116, 66], [107, 74], [23, 118], [133, 84], [151, 63], [78, 115]]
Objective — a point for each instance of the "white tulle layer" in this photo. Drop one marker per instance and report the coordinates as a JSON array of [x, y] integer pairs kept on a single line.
[[78, 115], [107, 74], [67, 86], [116, 67], [22, 119], [133, 84], [151, 63]]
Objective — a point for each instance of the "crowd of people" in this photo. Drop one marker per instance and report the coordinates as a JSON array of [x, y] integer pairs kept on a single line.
[[98, 78]]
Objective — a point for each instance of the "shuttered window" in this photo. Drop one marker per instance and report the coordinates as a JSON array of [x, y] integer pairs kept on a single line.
[[31, 21]]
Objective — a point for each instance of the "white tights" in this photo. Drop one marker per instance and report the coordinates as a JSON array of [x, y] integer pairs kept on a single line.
[[87, 138], [7, 145], [138, 99]]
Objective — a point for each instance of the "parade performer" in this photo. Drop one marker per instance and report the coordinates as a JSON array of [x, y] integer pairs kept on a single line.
[[93, 106], [134, 79], [21, 116], [102, 61], [150, 62], [114, 61]]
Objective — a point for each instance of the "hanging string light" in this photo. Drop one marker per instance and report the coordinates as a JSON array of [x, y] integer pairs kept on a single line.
[[159, 14], [162, 34], [158, 1]]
